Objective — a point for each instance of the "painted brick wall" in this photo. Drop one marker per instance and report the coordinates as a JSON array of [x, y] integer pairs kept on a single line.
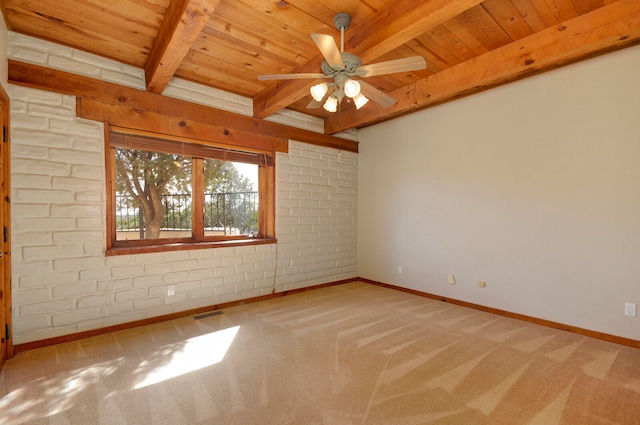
[[316, 214], [62, 281]]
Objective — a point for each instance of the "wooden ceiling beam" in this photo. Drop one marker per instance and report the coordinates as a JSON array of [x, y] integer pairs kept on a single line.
[[140, 101], [179, 29], [399, 22], [606, 29], [177, 126]]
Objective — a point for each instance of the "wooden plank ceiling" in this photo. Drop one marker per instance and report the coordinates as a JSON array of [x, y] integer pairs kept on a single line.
[[469, 45]]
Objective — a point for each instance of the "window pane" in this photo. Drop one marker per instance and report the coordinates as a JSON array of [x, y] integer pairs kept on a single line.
[[153, 195], [231, 198]]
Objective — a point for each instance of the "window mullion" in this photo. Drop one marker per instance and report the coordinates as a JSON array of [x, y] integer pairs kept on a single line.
[[198, 199], [110, 161], [266, 189]]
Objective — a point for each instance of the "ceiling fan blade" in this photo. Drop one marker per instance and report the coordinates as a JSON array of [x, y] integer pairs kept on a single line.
[[389, 67], [329, 50], [314, 104], [290, 76], [376, 95]]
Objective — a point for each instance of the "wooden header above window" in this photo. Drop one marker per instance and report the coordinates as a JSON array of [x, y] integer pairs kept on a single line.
[[132, 139]]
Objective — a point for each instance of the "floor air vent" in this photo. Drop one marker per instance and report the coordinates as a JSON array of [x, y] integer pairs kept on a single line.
[[209, 314]]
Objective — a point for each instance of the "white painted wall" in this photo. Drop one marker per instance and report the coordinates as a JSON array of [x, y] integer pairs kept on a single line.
[[62, 281], [533, 187]]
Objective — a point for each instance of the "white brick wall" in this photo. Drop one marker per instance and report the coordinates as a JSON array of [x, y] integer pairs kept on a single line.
[[62, 281], [32, 50], [316, 210], [196, 93]]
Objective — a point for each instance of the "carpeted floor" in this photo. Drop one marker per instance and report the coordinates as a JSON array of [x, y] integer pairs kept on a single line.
[[347, 354]]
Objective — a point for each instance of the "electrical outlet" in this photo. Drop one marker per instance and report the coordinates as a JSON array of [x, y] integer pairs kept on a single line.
[[171, 290], [399, 269], [482, 284], [452, 279], [630, 309]]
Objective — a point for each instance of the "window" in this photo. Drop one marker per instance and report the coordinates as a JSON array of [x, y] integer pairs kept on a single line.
[[182, 194]]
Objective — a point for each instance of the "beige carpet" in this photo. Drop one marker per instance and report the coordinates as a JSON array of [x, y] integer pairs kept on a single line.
[[348, 354]]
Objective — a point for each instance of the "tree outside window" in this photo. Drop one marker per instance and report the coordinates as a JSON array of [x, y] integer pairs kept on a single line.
[[171, 192]]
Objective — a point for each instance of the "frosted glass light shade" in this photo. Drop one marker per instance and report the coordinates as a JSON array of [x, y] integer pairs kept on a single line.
[[318, 91], [331, 105], [351, 88], [360, 100]]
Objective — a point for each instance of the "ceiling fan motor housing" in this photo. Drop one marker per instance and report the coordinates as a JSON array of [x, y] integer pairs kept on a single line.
[[351, 64]]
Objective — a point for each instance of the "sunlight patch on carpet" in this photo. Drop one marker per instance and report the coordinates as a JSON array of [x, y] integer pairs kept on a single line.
[[197, 353]]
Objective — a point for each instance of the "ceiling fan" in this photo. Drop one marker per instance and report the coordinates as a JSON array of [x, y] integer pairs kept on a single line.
[[342, 66]]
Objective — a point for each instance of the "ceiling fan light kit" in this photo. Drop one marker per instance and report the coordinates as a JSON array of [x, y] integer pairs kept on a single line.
[[360, 100], [331, 105], [351, 88], [319, 91], [343, 67]]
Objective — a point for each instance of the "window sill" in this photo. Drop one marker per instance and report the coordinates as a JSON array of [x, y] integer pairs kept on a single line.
[[183, 246]]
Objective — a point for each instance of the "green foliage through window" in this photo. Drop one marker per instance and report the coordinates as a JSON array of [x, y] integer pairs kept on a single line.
[[155, 196]]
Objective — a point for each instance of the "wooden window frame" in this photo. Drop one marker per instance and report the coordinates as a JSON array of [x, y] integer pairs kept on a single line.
[[118, 137]]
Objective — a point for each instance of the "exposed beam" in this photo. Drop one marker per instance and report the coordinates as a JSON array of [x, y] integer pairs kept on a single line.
[[178, 31], [606, 29], [7, 21], [399, 22], [155, 122], [43, 78]]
